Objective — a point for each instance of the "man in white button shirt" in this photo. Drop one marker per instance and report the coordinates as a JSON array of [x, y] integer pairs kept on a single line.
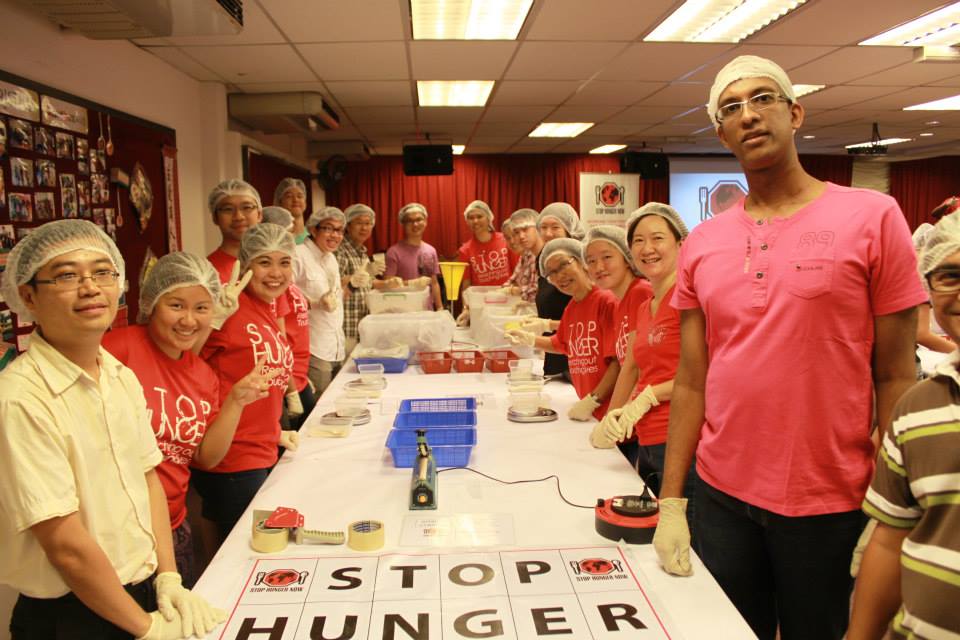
[[84, 521]]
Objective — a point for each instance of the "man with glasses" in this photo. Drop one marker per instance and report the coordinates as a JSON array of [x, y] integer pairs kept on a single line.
[[805, 292], [235, 207], [85, 524]]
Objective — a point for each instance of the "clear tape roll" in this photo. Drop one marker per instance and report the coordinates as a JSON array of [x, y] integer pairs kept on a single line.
[[365, 535], [268, 540]]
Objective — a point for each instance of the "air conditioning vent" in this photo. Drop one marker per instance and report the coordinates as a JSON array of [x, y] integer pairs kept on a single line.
[[303, 112]]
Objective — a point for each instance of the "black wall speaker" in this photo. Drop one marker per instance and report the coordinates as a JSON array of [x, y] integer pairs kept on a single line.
[[648, 165], [427, 159]]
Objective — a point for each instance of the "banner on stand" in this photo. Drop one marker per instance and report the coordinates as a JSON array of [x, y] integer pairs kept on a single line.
[[608, 198]]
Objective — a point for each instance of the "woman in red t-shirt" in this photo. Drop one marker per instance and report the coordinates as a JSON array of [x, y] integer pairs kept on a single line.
[[190, 423], [252, 335], [585, 331]]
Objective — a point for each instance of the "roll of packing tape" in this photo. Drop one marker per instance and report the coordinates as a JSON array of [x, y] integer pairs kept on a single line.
[[267, 540], [365, 535]]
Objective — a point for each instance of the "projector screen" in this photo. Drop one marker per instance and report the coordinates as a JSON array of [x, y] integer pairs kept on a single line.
[[703, 187]]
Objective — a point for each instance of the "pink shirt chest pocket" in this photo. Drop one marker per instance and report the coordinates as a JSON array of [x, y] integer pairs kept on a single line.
[[809, 277]]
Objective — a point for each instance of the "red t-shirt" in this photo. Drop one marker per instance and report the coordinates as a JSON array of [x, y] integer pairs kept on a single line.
[[489, 263], [232, 352], [656, 350], [223, 262], [183, 397], [297, 325], [638, 291], [586, 334]]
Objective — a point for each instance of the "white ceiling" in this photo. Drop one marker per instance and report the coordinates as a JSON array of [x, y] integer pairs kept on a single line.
[[575, 60]]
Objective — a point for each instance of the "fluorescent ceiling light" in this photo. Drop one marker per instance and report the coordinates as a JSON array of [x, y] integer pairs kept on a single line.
[[455, 93], [720, 20], [878, 143], [940, 27], [560, 129], [925, 134], [806, 89], [468, 19], [608, 148], [809, 137], [458, 149], [944, 104]]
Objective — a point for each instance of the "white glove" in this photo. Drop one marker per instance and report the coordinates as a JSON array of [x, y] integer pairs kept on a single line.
[[510, 291], [290, 440], [360, 280], [631, 412], [862, 543], [672, 538], [599, 438], [329, 301], [294, 406], [393, 282], [197, 617], [464, 318], [521, 337], [163, 629], [375, 268], [583, 408], [537, 325], [229, 300], [419, 283]]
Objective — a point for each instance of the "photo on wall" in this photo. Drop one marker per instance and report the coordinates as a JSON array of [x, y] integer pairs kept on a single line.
[[43, 142], [46, 173], [21, 172], [3, 137], [65, 146], [44, 205], [6, 325], [21, 208], [83, 198], [21, 134], [7, 240], [23, 232]]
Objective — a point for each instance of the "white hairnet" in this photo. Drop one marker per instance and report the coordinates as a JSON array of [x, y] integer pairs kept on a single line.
[[920, 236], [233, 187], [566, 215], [358, 209], [566, 246], [278, 216], [175, 271], [265, 238], [326, 213], [665, 211], [943, 241], [612, 235], [409, 208], [285, 185], [522, 218], [481, 206], [741, 68], [43, 244]]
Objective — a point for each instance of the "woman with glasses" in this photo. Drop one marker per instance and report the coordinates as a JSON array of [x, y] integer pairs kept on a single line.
[[584, 333], [317, 274]]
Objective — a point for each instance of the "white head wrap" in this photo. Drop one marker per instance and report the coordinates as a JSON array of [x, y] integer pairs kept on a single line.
[[409, 208], [665, 211], [265, 238], [175, 271], [279, 216], [227, 188], [615, 236], [566, 246], [566, 215], [741, 68], [359, 209], [484, 208], [943, 241]]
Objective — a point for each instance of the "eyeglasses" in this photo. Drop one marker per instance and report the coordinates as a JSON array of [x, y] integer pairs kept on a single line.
[[71, 281], [549, 275], [245, 209], [323, 228], [414, 220], [759, 102], [946, 280]]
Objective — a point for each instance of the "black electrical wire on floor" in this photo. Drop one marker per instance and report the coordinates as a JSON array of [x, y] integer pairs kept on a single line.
[[555, 477]]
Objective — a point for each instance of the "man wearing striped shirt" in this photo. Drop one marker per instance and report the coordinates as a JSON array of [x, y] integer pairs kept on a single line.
[[909, 580]]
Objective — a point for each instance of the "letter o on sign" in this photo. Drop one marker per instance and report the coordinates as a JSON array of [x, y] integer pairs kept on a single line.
[[456, 574]]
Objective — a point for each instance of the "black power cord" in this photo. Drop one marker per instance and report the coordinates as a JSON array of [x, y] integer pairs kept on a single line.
[[544, 479]]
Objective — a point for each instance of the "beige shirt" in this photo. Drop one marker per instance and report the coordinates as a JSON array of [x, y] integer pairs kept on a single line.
[[317, 273], [70, 445]]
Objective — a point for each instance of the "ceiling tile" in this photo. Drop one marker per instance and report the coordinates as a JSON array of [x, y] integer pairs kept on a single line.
[[178, 59], [850, 63], [917, 95], [532, 92], [680, 94], [913, 73], [354, 61], [608, 92], [495, 140], [607, 129], [787, 57], [561, 60], [645, 115], [381, 115], [460, 60], [660, 61], [253, 63], [385, 93], [833, 97], [448, 114], [578, 113], [506, 129], [515, 114], [953, 81], [605, 20], [327, 21]]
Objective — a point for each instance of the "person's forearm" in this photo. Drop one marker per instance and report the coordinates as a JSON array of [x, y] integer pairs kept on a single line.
[[663, 391], [160, 521], [546, 344], [894, 360], [934, 342], [219, 435], [437, 298], [876, 596], [605, 387], [683, 434]]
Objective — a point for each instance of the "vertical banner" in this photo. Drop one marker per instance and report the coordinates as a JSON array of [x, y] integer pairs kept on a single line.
[[608, 198], [171, 190]]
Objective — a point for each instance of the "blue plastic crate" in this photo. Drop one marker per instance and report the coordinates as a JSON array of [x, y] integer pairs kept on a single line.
[[451, 447], [435, 420], [390, 365], [433, 405]]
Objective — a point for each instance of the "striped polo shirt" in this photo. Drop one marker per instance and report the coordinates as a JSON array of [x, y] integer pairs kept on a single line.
[[917, 486]]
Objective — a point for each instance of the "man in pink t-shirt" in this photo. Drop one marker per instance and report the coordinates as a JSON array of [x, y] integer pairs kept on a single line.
[[796, 304]]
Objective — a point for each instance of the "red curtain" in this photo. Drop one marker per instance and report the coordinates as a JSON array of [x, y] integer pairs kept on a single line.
[[505, 182], [836, 169], [920, 185]]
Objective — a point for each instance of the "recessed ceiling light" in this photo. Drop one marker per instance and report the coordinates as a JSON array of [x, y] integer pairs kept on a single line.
[[944, 104], [940, 27], [806, 89], [458, 149], [456, 93], [560, 129], [468, 19], [720, 20], [925, 134], [608, 148], [809, 137], [878, 143], [932, 123]]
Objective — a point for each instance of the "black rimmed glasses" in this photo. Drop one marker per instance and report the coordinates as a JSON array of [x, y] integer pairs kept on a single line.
[[946, 280]]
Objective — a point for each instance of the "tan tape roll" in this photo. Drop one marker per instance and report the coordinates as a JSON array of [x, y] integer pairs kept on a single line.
[[365, 535], [267, 540]]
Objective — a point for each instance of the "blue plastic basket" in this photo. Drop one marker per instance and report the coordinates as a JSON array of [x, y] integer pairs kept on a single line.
[[390, 365], [432, 405], [451, 447], [435, 420]]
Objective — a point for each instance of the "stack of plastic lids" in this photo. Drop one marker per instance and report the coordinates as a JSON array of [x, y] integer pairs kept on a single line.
[[451, 426]]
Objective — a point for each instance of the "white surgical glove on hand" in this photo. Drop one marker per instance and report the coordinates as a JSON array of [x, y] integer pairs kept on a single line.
[[672, 538], [419, 283], [583, 408], [229, 300], [599, 438], [196, 615], [537, 325], [329, 301], [290, 440], [294, 406], [636, 409], [360, 280], [510, 291], [519, 336], [610, 425], [464, 318], [163, 629], [375, 268], [862, 543], [393, 282]]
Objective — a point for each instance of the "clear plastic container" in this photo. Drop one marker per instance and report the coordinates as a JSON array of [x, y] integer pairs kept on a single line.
[[371, 373], [331, 427], [349, 406], [526, 403], [400, 300]]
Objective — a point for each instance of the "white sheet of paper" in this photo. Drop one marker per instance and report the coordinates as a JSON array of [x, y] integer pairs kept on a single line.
[[462, 530]]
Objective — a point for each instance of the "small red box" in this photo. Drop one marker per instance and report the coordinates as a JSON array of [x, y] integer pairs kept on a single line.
[[435, 361], [499, 361], [467, 361]]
